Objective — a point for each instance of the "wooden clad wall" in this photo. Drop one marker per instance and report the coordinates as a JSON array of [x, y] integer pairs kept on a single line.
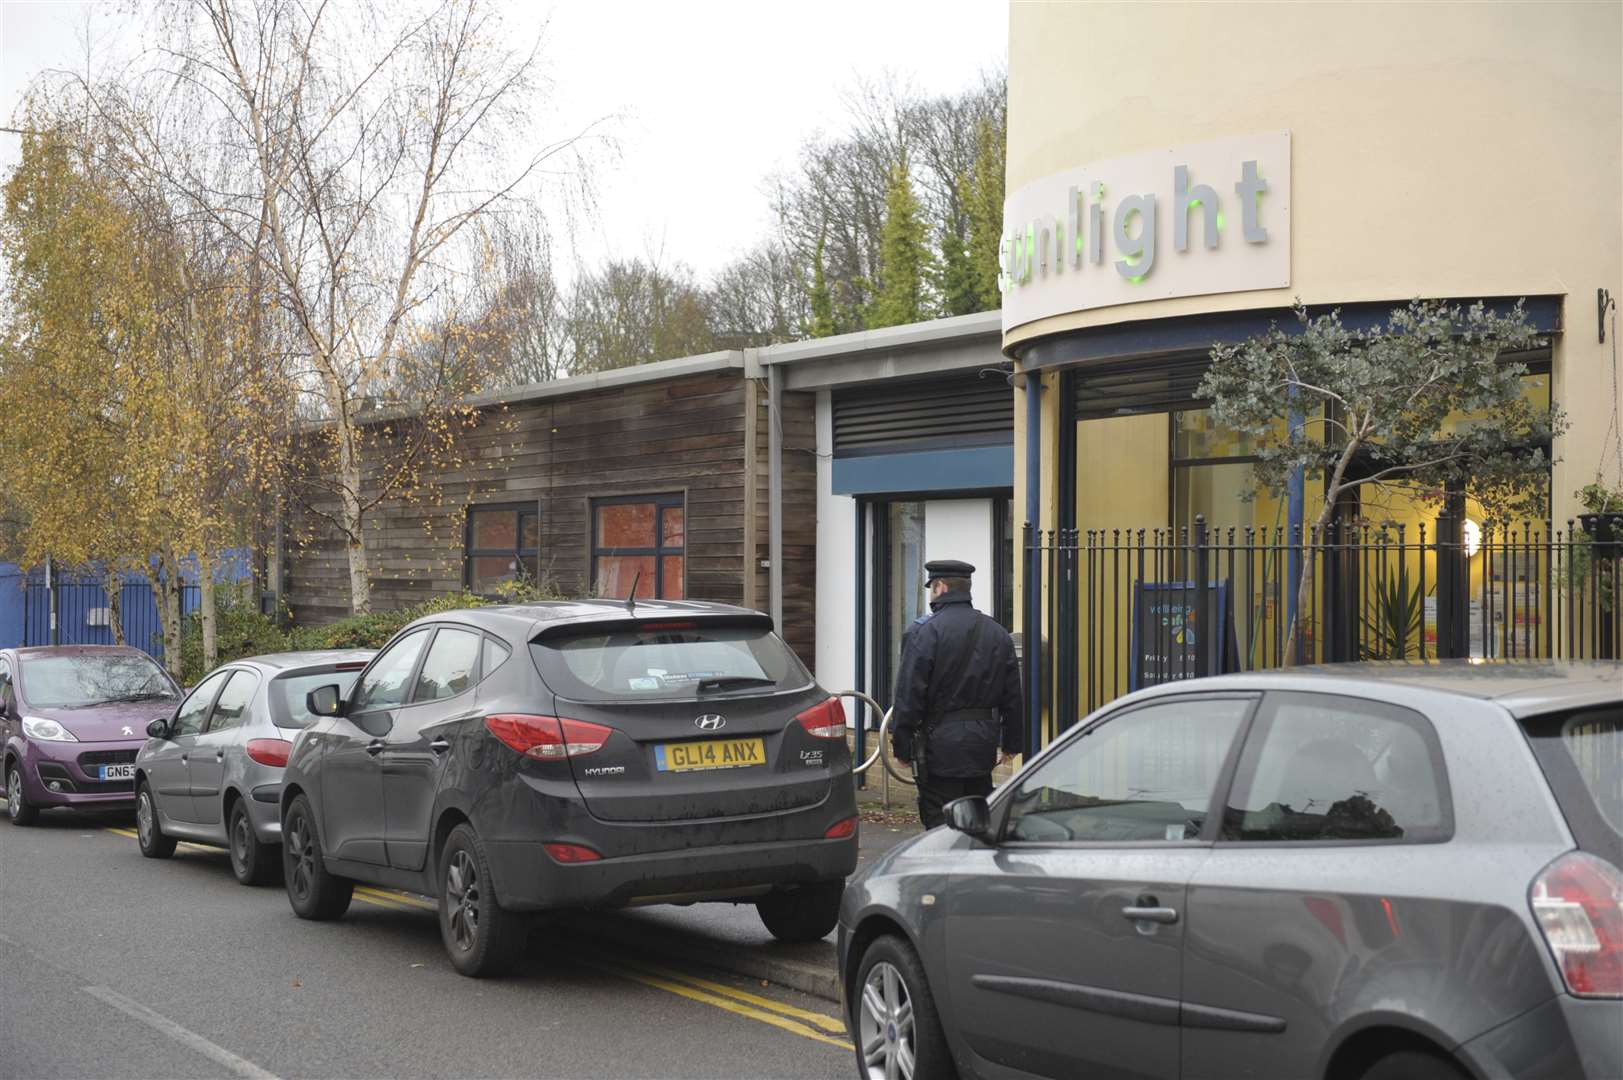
[[685, 435]]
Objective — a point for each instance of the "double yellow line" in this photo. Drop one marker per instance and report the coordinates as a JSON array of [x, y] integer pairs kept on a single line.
[[807, 1023]]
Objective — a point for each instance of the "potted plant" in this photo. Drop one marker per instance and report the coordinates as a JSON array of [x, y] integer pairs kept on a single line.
[[1603, 519]]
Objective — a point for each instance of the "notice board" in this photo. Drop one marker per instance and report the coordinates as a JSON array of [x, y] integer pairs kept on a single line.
[[1169, 632]]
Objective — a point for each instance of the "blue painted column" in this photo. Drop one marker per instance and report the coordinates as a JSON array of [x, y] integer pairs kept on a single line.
[[1034, 561]]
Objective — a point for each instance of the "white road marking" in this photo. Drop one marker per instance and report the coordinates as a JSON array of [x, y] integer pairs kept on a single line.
[[187, 1038]]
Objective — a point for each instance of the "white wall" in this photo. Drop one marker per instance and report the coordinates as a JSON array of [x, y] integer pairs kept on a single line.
[[962, 529], [835, 662]]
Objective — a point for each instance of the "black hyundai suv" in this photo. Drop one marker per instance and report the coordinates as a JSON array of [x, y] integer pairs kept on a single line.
[[589, 754]]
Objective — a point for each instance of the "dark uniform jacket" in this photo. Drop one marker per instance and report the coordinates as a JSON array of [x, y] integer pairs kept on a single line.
[[959, 684]]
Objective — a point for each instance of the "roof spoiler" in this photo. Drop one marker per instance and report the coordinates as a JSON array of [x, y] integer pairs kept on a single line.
[[589, 627]]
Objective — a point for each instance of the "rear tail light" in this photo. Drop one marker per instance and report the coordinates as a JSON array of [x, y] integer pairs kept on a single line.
[[571, 853], [548, 738], [825, 720], [841, 829], [270, 751], [1578, 902]]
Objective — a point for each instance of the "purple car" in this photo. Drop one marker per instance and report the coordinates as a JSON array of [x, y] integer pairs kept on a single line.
[[72, 718]]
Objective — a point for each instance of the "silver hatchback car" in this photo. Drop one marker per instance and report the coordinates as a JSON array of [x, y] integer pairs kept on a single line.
[[1368, 872], [211, 772]]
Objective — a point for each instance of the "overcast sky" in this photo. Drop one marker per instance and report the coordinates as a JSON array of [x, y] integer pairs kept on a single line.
[[710, 97]]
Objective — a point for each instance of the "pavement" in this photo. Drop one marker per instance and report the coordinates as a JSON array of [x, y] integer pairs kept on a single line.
[[112, 965], [730, 937]]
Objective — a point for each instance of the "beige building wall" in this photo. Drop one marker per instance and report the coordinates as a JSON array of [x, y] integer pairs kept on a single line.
[[1437, 150]]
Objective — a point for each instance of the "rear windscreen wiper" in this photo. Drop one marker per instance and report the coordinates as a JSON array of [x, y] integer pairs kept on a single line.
[[727, 682]]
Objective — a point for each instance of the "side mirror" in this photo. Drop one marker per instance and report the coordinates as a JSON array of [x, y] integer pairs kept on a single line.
[[158, 729], [970, 815], [324, 701]]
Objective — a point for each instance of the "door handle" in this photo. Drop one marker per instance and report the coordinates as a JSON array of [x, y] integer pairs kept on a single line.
[[440, 745], [375, 747], [219, 755], [185, 757], [1148, 909]]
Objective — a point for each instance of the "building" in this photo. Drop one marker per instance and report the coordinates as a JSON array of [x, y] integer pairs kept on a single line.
[[1184, 191], [658, 475], [914, 455]]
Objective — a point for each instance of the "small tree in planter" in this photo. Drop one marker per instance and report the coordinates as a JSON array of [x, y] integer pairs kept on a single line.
[[1383, 395]]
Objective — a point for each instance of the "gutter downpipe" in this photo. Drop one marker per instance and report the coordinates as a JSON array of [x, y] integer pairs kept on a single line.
[[1033, 387], [774, 399], [862, 635]]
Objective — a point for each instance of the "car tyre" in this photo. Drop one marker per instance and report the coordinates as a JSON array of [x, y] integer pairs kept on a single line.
[[805, 914], [893, 1018], [148, 833], [313, 891], [19, 811], [481, 938], [1413, 1065], [253, 861]]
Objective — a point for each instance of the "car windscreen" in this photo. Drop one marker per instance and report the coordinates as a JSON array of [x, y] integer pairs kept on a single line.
[[76, 681], [289, 694], [667, 661], [1582, 756]]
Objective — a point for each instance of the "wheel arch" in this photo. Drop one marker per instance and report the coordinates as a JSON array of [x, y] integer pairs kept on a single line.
[[449, 817], [870, 927], [1376, 1036]]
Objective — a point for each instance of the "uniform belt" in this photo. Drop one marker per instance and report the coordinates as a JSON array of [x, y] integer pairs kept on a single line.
[[966, 714]]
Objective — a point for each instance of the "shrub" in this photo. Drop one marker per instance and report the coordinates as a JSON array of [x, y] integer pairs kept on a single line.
[[373, 630], [240, 630]]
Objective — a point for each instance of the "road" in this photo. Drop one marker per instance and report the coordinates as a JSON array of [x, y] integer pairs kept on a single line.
[[112, 965]]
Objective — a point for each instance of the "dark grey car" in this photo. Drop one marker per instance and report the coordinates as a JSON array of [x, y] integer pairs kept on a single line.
[[570, 755], [211, 770], [1380, 872]]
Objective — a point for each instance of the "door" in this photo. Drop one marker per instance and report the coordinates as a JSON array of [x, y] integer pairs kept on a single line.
[[1335, 814], [8, 704], [1064, 942], [352, 809], [168, 770], [416, 747], [222, 736]]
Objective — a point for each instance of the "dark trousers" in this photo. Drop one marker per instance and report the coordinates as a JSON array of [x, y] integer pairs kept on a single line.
[[937, 791]]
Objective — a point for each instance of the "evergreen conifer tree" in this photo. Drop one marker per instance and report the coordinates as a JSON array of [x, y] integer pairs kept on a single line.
[[983, 197], [820, 298], [904, 256]]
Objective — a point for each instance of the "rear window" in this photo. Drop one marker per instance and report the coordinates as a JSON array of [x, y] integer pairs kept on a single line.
[[288, 694], [1582, 757], [668, 661]]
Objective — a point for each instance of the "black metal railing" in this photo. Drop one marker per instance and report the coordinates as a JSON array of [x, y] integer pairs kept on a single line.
[[1124, 608]]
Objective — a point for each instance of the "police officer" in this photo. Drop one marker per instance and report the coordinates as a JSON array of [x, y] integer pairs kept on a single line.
[[958, 710]]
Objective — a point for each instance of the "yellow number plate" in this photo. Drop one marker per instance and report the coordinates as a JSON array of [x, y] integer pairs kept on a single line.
[[710, 754]]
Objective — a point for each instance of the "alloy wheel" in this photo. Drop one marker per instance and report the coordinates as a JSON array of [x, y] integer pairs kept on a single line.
[[143, 818], [462, 899], [14, 793], [885, 1026], [301, 843]]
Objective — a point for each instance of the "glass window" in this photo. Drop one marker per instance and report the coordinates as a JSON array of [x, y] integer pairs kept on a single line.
[[67, 682], [639, 542], [1595, 742], [195, 709], [1318, 767], [232, 708], [503, 544], [674, 660], [495, 655], [1146, 774], [452, 665], [905, 573], [289, 698], [385, 684]]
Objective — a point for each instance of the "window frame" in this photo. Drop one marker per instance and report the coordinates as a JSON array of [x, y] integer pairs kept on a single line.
[[208, 712], [659, 552], [477, 676], [1427, 731], [1220, 789], [519, 552], [411, 676], [208, 726]]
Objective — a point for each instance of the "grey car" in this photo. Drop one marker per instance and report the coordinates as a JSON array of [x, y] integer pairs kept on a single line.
[[211, 771], [1367, 871]]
